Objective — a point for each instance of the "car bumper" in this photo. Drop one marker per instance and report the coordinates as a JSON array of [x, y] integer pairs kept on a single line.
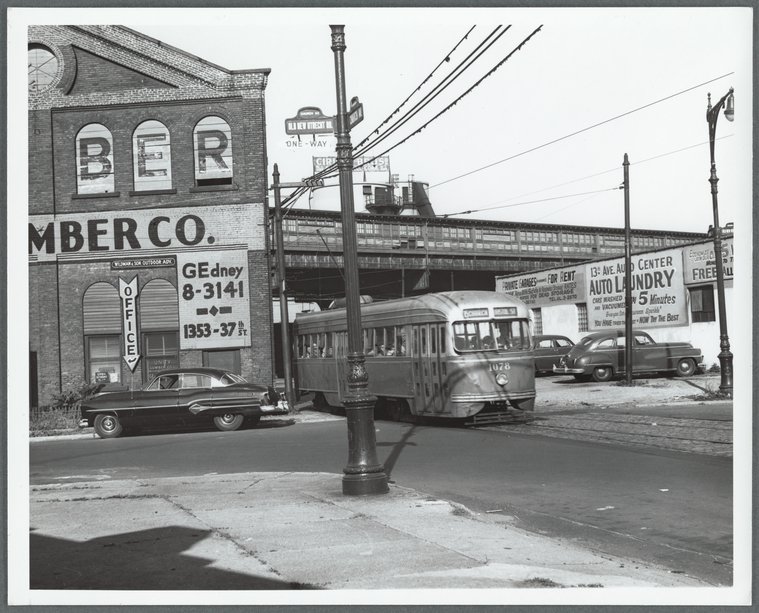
[[564, 370]]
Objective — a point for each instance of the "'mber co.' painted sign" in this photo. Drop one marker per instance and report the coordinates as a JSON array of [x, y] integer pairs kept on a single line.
[[658, 293], [143, 233]]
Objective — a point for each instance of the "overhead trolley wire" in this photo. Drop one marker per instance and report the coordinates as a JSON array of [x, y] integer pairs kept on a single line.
[[455, 102], [447, 58], [600, 123], [478, 52]]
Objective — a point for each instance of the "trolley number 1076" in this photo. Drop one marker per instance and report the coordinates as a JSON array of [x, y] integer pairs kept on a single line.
[[205, 330]]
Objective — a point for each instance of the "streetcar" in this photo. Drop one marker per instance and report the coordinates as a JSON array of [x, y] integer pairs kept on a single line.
[[454, 354]]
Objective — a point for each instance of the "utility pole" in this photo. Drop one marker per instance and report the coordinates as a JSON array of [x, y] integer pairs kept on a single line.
[[628, 279], [363, 474], [283, 310]]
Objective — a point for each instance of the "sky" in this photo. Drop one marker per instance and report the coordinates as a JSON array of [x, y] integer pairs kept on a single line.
[[542, 138], [542, 133]]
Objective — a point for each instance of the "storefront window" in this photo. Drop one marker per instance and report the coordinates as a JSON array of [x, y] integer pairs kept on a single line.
[[104, 359], [161, 352], [702, 303]]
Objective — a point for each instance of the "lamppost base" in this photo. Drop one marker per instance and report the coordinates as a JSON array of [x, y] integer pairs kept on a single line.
[[365, 484]]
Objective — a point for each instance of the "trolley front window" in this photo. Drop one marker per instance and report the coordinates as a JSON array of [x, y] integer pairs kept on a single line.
[[492, 335]]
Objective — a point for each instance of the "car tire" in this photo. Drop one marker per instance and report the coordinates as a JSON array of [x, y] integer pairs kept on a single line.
[[603, 374], [108, 426], [685, 367], [228, 422]]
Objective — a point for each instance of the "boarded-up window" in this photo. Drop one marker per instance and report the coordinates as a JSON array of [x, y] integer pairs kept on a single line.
[[94, 160], [102, 309], [159, 309], [212, 139], [151, 150]]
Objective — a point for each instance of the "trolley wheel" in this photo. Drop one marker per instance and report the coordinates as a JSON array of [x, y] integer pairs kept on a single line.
[[398, 410], [527, 404], [603, 374], [320, 402]]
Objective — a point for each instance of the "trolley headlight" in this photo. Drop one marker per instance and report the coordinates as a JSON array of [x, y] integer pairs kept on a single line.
[[501, 379]]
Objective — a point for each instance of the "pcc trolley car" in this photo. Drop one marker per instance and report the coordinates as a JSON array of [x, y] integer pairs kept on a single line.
[[450, 354]]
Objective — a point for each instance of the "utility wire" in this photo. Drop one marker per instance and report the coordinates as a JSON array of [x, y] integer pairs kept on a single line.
[[476, 54], [506, 206], [455, 102], [447, 58], [608, 171], [516, 155]]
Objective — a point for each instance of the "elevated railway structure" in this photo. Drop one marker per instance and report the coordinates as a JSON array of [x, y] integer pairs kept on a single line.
[[402, 255]]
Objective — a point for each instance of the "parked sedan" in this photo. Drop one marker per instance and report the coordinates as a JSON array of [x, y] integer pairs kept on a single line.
[[183, 395], [549, 349], [601, 356]]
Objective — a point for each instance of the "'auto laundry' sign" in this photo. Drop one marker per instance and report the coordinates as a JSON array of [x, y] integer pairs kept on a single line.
[[115, 233], [658, 293]]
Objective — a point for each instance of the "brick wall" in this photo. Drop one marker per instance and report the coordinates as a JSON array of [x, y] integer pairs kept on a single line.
[[120, 92]]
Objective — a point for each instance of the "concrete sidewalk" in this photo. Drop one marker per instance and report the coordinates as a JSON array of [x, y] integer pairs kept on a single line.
[[290, 531]]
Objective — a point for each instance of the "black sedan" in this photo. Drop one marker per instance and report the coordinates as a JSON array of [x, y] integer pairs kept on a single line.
[[183, 395], [549, 349]]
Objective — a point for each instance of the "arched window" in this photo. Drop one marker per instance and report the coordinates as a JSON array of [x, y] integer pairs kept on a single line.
[[151, 152], [94, 160], [212, 140], [102, 333]]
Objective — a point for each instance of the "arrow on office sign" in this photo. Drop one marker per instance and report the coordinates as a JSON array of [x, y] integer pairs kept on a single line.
[[128, 293]]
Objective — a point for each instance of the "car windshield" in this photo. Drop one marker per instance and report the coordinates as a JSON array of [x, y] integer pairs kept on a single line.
[[584, 342], [492, 335]]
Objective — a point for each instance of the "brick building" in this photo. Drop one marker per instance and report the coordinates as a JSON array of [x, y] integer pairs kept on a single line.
[[148, 235]]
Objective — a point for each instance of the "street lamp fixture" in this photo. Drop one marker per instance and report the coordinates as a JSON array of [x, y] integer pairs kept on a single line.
[[725, 356]]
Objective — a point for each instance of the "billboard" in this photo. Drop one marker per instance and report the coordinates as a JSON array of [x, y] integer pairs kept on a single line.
[[546, 287], [658, 292], [699, 265]]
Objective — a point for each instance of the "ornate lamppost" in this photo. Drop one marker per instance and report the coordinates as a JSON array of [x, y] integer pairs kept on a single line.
[[363, 474], [725, 356]]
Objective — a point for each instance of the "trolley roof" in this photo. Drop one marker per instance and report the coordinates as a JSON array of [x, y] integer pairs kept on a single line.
[[442, 306]]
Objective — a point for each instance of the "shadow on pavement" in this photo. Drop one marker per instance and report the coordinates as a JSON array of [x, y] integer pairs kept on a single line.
[[144, 560]]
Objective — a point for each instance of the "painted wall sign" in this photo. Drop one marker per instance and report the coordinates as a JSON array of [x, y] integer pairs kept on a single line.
[[658, 293], [214, 304], [700, 266], [94, 160], [128, 293], [546, 287], [152, 156], [144, 233], [213, 149]]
